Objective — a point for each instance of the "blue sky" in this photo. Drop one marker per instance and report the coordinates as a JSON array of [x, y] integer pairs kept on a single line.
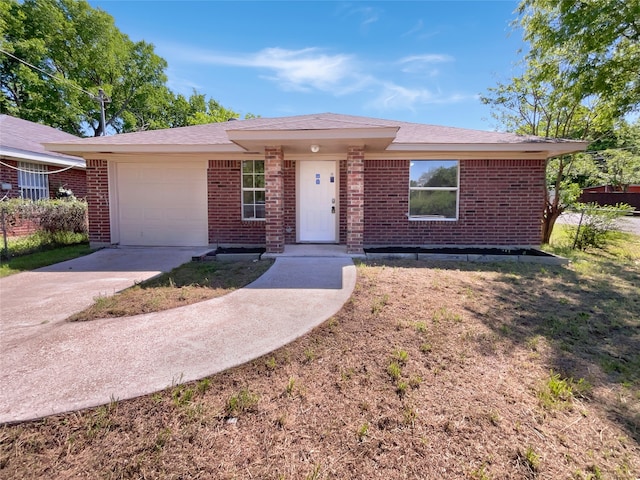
[[416, 61]]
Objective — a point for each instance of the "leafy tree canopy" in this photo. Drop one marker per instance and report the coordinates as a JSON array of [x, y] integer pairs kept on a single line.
[[83, 49], [594, 46]]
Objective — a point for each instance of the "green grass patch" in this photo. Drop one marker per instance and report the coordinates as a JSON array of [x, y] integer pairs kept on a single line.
[[42, 259]]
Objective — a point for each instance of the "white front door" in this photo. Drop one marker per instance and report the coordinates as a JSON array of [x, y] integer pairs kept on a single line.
[[317, 201]]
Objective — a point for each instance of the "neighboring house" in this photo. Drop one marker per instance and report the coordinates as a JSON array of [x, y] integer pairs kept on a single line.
[[612, 189], [325, 178], [28, 171], [612, 195]]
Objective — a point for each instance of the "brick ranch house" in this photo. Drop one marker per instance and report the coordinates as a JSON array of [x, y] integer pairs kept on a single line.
[[325, 178], [27, 170]]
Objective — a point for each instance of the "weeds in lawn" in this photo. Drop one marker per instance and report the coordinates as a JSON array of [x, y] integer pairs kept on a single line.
[[379, 304], [401, 356], [443, 314], [309, 355], [290, 387], [315, 474], [270, 363], [556, 393], [530, 460], [409, 416], [363, 431], [241, 402], [204, 385], [394, 370], [480, 473], [182, 395], [401, 388], [426, 347]]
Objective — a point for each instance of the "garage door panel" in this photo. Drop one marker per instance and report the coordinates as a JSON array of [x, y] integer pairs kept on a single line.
[[162, 204]]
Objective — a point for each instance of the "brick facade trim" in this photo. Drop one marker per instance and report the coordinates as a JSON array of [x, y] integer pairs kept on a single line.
[[355, 199], [274, 199], [98, 201]]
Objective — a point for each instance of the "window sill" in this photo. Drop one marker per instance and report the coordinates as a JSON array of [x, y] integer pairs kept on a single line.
[[432, 219]]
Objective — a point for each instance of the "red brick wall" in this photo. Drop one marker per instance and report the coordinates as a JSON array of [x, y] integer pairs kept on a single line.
[[73, 179], [342, 205], [356, 199], [500, 203], [9, 175], [98, 201], [225, 206], [289, 176], [274, 199]]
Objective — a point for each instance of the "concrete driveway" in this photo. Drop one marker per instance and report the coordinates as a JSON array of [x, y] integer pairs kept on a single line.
[[50, 366], [32, 300]]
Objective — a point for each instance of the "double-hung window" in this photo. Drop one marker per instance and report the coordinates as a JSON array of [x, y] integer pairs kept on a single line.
[[433, 189], [253, 193], [33, 181]]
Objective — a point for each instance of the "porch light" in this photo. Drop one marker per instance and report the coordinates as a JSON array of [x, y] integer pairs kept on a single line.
[[315, 148]]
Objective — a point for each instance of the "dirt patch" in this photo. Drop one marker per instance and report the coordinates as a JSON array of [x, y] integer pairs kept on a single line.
[[429, 371]]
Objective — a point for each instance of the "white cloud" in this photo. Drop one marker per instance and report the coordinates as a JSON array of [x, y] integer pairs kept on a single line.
[[339, 74], [368, 15], [181, 85], [304, 70], [397, 97], [415, 29], [423, 64]]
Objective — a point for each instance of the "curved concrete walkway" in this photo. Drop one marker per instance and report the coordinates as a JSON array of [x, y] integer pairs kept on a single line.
[[58, 366]]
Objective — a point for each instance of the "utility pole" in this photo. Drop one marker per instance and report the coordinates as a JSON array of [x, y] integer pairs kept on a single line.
[[102, 98]]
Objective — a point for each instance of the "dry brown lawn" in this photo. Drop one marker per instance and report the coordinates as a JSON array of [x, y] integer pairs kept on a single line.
[[430, 371], [189, 283]]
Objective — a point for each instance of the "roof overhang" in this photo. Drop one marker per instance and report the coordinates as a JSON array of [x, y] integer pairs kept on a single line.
[[328, 140], [548, 149], [88, 149], [35, 157]]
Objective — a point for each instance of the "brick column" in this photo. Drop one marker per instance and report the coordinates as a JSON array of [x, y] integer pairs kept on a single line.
[[355, 199], [274, 199], [98, 202]]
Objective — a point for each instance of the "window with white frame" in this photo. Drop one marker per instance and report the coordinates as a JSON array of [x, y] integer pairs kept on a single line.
[[433, 189], [253, 191], [33, 181]]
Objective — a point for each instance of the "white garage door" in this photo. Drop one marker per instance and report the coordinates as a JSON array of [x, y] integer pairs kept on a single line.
[[162, 204]]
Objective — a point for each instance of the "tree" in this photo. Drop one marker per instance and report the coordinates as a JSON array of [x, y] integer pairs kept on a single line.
[[529, 107], [593, 45], [81, 48], [580, 78], [77, 51]]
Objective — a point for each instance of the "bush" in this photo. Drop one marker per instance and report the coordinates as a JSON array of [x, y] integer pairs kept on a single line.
[[64, 216], [52, 216], [58, 223], [596, 222]]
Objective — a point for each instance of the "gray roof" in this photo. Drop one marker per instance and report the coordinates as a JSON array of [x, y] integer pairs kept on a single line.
[[23, 139], [407, 134]]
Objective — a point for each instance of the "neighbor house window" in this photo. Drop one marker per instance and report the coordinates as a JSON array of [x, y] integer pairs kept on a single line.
[[33, 181], [433, 190], [253, 190]]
